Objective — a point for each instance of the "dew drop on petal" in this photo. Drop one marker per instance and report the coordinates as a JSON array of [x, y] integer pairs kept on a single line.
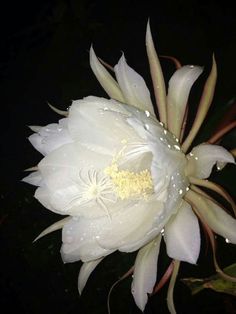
[[147, 113], [147, 127], [177, 147]]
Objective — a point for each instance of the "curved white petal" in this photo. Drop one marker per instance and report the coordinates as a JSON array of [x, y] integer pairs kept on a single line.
[[182, 235], [158, 81], [133, 226], [51, 137], [33, 178], [133, 86], [178, 93], [100, 124], [42, 194], [71, 158], [145, 272], [85, 271], [70, 173], [80, 241], [105, 79], [54, 227], [35, 128], [203, 157], [217, 218]]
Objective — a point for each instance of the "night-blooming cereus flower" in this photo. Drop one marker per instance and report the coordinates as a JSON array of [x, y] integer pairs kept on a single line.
[[123, 179]]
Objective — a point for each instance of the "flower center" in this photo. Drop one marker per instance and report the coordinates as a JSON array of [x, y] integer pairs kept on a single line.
[[130, 184], [95, 187]]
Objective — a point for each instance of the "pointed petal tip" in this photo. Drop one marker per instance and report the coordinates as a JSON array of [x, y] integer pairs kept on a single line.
[[58, 111], [85, 271], [148, 32], [34, 128], [91, 50]]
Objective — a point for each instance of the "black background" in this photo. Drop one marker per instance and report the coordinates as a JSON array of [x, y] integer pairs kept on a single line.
[[44, 57]]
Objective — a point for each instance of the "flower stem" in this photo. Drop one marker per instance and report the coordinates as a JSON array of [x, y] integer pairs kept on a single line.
[[216, 137], [170, 298]]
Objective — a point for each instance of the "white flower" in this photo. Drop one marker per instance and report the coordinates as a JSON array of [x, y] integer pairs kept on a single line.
[[122, 177]]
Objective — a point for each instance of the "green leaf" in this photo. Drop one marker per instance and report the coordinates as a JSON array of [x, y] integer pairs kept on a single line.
[[215, 282]]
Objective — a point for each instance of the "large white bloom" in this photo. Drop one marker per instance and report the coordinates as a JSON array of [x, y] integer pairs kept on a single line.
[[122, 177]]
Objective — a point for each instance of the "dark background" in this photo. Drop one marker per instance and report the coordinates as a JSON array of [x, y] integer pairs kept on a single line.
[[44, 57]]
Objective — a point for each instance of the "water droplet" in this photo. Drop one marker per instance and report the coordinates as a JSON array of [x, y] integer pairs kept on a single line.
[[146, 126], [165, 132], [177, 147], [161, 139], [180, 192], [161, 123], [227, 240], [163, 232], [147, 113]]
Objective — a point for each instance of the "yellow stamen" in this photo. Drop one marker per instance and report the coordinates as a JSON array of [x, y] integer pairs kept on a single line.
[[130, 184]]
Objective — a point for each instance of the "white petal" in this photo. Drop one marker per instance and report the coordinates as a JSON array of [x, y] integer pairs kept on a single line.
[[217, 218], [133, 226], [35, 128], [158, 81], [182, 235], [85, 271], [100, 124], [203, 157], [105, 79], [42, 194], [178, 93], [133, 86], [145, 272], [54, 227], [51, 137], [80, 241], [34, 178], [67, 174]]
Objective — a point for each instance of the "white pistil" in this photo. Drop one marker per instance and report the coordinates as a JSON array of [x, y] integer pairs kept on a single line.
[[94, 187]]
